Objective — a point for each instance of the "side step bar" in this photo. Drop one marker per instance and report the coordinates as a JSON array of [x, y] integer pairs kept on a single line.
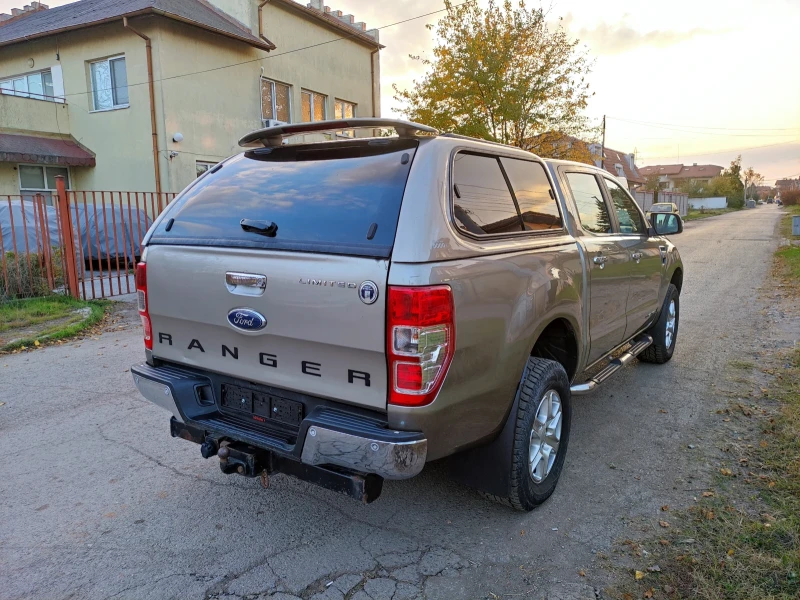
[[639, 346]]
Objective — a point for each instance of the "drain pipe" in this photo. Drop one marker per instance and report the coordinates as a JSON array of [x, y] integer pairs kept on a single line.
[[260, 23], [372, 77], [151, 85]]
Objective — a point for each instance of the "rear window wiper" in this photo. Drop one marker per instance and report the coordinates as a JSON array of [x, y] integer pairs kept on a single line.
[[267, 228]]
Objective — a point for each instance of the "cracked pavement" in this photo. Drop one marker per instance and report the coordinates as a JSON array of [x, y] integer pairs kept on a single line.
[[98, 501]]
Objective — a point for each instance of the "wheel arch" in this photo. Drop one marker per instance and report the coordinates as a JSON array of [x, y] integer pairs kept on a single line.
[[558, 340], [677, 278]]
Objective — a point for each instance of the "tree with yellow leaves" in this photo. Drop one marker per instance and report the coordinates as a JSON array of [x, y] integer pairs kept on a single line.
[[502, 74]]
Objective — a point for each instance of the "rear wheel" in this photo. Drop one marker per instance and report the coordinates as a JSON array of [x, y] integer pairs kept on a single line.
[[665, 331], [541, 434]]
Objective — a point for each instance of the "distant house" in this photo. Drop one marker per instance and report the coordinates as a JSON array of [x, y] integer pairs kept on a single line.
[[619, 164], [671, 176], [784, 185]]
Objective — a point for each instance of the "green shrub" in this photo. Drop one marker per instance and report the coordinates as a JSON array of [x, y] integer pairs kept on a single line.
[[25, 275]]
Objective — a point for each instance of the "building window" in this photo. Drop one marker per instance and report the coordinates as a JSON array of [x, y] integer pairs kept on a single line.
[[202, 166], [313, 106], [275, 103], [345, 110], [38, 180], [33, 85], [109, 83]]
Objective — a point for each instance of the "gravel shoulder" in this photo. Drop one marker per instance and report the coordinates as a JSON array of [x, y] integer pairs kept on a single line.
[[100, 502]]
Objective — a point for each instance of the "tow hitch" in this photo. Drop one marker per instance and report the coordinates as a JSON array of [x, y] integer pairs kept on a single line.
[[246, 460]]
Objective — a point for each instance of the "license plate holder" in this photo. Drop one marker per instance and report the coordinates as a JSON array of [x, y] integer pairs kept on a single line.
[[287, 411], [260, 406], [237, 398]]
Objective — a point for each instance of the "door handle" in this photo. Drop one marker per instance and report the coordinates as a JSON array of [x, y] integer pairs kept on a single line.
[[600, 261], [637, 256]]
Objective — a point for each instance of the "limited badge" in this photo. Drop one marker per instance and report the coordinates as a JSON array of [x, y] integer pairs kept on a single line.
[[368, 292]]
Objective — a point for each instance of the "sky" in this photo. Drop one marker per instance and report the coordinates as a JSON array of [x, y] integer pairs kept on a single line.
[[687, 81]]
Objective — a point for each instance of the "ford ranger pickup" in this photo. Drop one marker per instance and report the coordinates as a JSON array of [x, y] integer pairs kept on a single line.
[[347, 309]]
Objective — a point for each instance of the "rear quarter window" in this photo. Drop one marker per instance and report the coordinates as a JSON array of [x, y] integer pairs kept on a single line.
[[338, 198], [499, 195], [535, 197], [482, 202]]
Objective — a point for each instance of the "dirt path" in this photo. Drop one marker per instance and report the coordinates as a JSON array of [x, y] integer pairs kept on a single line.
[[99, 501]]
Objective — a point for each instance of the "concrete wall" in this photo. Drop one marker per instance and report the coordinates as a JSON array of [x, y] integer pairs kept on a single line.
[[212, 110], [120, 138], [9, 180], [719, 202], [26, 115]]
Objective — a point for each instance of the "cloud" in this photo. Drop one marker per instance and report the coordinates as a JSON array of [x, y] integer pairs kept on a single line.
[[618, 38]]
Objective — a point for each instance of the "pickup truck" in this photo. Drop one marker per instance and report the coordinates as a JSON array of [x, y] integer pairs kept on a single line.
[[347, 309]]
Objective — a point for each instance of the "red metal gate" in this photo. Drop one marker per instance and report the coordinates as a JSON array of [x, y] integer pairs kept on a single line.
[[86, 244]]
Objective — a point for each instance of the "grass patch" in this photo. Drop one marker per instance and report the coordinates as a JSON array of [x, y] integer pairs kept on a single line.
[[24, 313], [741, 540], [788, 257], [742, 364], [35, 312], [696, 213]]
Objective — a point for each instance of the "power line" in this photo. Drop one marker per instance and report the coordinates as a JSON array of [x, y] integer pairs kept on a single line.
[[244, 62], [705, 127], [726, 150], [670, 128]]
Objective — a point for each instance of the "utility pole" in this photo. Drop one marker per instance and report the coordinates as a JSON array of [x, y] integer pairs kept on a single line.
[[603, 145]]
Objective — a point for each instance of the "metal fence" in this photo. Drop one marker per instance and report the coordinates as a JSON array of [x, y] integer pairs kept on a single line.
[[32, 262], [86, 244]]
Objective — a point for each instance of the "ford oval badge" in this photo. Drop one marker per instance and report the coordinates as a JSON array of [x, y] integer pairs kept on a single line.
[[246, 319]]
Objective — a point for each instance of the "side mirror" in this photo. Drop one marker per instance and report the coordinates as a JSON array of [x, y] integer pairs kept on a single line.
[[666, 223]]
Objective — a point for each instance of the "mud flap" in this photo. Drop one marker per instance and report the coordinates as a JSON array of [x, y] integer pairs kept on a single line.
[[487, 468]]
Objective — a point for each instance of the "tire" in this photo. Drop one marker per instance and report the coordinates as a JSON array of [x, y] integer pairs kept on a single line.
[[664, 338], [540, 380]]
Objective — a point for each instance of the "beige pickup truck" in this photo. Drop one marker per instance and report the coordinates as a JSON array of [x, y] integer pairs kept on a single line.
[[348, 309]]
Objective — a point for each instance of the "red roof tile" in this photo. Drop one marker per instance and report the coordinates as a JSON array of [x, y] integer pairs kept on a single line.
[[614, 158], [699, 172], [43, 151], [683, 171], [660, 170]]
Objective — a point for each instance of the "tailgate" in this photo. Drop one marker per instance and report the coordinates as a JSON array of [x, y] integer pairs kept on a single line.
[[318, 221], [320, 338]]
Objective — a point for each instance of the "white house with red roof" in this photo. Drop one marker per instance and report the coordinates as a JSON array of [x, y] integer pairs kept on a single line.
[[671, 176]]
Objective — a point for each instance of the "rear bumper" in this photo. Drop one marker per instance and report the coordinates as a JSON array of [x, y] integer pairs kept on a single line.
[[330, 434]]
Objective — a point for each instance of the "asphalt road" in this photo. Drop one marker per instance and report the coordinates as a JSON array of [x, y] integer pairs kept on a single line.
[[98, 501]]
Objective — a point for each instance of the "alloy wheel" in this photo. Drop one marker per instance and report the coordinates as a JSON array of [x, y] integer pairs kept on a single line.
[[545, 436]]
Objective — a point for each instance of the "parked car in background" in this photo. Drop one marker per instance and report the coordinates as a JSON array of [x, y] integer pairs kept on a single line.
[[329, 310], [662, 207]]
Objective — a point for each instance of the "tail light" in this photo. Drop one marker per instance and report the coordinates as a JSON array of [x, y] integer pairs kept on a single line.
[[421, 341], [141, 296]]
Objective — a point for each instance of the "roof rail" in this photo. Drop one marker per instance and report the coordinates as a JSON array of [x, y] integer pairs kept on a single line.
[[273, 136], [458, 136]]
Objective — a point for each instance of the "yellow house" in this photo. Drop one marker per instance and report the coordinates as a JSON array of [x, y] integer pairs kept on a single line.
[[145, 95]]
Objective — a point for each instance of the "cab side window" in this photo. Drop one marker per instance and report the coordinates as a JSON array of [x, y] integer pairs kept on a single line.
[[628, 215], [592, 209], [482, 202], [536, 200]]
